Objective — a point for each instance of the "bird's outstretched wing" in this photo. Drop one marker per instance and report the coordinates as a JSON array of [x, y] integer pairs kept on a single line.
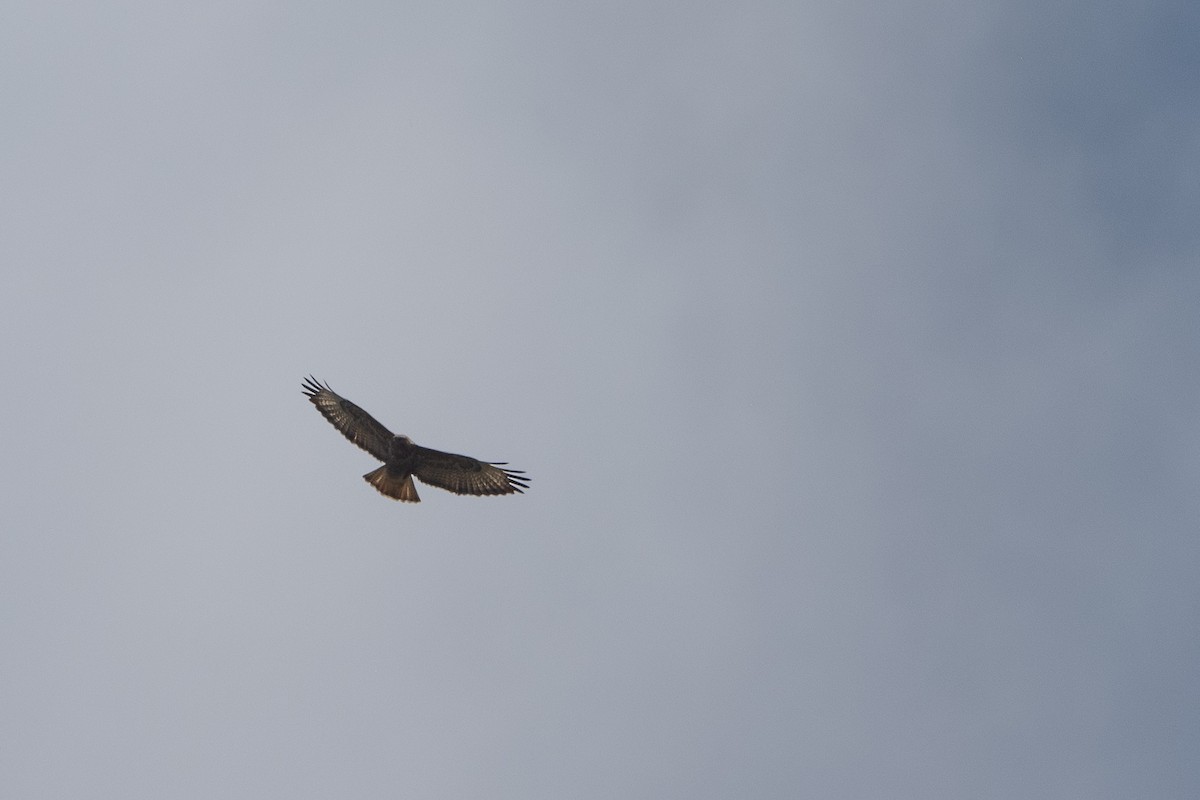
[[466, 475], [355, 424]]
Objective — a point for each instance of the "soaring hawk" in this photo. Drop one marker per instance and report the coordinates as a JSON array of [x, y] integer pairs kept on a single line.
[[402, 459]]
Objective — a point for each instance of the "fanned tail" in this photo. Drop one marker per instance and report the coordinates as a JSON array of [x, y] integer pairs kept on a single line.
[[398, 487]]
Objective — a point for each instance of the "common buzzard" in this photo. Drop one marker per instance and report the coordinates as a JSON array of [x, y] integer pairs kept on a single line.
[[402, 459]]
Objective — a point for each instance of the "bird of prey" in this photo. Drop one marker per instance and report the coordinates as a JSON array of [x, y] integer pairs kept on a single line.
[[402, 459]]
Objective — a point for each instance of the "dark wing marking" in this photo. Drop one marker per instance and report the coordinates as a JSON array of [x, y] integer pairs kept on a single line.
[[466, 475], [355, 424]]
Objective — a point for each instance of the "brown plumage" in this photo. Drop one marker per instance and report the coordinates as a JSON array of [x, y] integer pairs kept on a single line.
[[402, 459]]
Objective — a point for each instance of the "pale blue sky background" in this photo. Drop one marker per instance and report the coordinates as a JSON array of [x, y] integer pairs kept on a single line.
[[852, 349]]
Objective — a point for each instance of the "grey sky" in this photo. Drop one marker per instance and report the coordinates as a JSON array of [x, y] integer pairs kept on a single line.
[[851, 349]]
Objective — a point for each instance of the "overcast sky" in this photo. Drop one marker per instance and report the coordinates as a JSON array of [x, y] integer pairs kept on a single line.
[[851, 348]]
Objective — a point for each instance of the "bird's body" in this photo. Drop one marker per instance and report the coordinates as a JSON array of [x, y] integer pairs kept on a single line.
[[402, 459]]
